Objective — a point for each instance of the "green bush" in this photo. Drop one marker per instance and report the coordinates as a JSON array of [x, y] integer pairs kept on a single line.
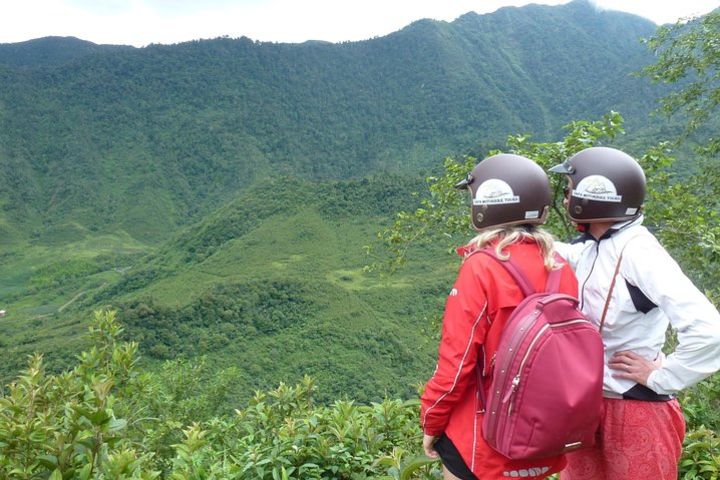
[[64, 426], [105, 419]]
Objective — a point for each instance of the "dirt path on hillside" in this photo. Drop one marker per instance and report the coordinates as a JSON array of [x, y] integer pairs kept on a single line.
[[72, 300]]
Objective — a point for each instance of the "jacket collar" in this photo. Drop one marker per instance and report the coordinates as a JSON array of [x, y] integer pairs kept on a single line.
[[617, 227]]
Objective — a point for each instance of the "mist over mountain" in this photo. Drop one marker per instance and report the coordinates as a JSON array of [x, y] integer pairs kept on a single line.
[[105, 138]]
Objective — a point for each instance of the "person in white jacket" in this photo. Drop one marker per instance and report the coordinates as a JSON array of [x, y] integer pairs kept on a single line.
[[632, 289]]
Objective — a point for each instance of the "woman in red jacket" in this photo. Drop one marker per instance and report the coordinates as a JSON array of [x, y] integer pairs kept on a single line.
[[510, 198]]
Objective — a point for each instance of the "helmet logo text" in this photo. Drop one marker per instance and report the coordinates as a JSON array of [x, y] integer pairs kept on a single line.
[[598, 188], [494, 192]]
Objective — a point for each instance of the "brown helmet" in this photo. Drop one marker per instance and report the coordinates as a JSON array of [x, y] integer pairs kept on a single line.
[[507, 190], [606, 184]]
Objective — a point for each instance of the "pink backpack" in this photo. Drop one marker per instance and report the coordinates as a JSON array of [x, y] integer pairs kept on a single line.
[[546, 391]]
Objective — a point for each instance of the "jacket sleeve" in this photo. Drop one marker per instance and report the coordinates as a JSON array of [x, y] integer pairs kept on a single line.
[[570, 252], [697, 322], [465, 310]]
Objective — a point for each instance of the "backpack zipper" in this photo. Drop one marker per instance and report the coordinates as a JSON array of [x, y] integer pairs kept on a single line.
[[519, 333], [491, 365], [516, 380]]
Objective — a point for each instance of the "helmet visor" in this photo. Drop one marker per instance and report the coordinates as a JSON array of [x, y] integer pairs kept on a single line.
[[465, 183], [564, 168]]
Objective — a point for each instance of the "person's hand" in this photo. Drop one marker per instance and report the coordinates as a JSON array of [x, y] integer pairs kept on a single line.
[[631, 366], [428, 442]]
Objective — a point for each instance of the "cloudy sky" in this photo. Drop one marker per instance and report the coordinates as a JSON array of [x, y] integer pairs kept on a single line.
[[141, 22]]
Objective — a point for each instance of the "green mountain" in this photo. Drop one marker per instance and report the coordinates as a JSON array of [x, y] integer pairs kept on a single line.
[[50, 51], [219, 193], [146, 140], [272, 283]]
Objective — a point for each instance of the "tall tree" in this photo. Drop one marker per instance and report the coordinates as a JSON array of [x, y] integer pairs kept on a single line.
[[688, 54]]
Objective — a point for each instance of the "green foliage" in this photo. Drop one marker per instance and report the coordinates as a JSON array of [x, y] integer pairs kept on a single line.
[[105, 420], [98, 139], [444, 216], [701, 455], [283, 435], [686, 215], [688, 55], [225, 314], [270, 284], [54, 274], [701, 449], [701, 404], [64, 425]]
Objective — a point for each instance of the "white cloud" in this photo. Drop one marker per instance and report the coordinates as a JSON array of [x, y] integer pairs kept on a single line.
[[140, 22], [661, 11]]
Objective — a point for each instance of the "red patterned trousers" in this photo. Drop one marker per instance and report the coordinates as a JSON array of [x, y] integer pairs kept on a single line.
[[638, 441]]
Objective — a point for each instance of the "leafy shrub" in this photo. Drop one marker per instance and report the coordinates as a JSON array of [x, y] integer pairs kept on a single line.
[[63, 426], [105, 419], [701, 450], [701, 455]]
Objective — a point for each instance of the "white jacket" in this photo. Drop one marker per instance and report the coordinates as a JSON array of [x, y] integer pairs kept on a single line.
[[647, 266]]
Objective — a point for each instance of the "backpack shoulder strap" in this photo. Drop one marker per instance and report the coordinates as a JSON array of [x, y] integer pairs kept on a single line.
[[552, 285], [512, 268]]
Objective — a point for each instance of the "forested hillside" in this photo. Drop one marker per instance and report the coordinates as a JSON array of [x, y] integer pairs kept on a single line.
[[105, 417], [101, 139], [50, 51], [271, 285], [220, 192], [229, 210]]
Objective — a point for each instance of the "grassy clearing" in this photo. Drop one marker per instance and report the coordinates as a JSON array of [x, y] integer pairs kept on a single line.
[[41, 282], [362, 335], [271, 292]]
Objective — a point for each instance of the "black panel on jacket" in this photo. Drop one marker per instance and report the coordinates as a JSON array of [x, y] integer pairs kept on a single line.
[[641, 302], [641, 392]]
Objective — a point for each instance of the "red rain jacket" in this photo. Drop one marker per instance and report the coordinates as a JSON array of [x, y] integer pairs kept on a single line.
[[481, 301]]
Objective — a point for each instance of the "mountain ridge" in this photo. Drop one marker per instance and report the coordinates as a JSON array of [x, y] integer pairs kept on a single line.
[[146, 140], [219, 193], [51, 51], [181, 127]]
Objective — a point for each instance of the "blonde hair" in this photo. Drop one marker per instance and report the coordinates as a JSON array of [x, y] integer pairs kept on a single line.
[[508, 235]]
